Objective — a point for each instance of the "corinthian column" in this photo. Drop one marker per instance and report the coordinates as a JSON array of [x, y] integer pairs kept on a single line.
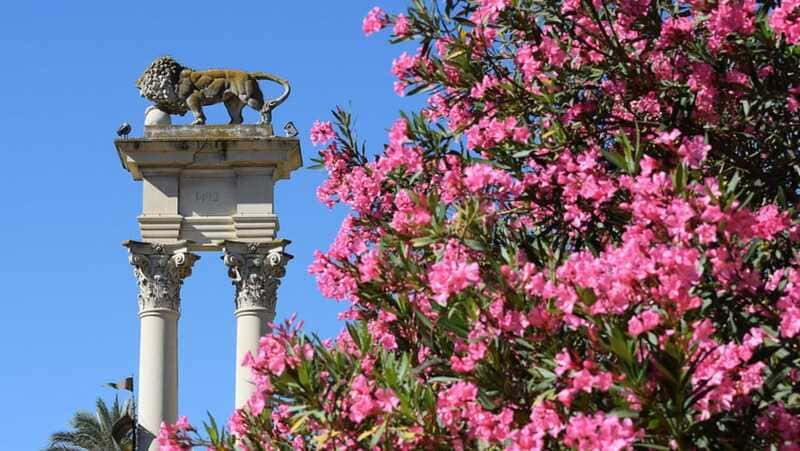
[[256, 270], [160, 270]]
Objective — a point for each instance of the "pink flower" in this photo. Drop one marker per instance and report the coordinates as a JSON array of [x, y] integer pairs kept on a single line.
[[730, 16], [600, 431], [386, 400], [694, 150], [403, 64], [398, 134], [480, 176], [321, 132], [256, 403], [702, 83], [790, 322], [667, 138], [563, 362], [674, 30], [361, 402], [451, 402], [237, 425], [792, 104], [785, 21], [489, 10], [375, 20], [401, 26], [174, 437], [453, 273], [646, 321]]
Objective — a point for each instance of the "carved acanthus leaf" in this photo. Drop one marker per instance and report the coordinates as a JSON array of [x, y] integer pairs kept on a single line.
[[160, 275], [256, 276]]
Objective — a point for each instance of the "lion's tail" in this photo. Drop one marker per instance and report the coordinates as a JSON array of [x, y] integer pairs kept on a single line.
[[287, 88]]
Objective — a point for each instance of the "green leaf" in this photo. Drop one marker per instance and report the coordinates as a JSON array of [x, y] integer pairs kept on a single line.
[[474, 244], [377, 436], [368, 432], [423, 241], [616, 158], [298, 422]]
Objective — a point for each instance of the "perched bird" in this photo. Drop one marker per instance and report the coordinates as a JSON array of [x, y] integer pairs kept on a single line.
[[124, 130], [290, 129]]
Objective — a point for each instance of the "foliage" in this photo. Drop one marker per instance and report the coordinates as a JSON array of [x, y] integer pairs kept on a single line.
[[586, 240], [93, 431]]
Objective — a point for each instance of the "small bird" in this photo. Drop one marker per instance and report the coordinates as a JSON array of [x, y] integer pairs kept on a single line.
[[290, 129], [124, 130]]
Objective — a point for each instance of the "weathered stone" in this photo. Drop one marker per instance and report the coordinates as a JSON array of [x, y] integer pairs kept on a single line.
[[160, 270], [177, 89], [207, 184], [154, 116], [255, 270]]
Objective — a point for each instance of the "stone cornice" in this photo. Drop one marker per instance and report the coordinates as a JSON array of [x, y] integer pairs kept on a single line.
[[209, 147]]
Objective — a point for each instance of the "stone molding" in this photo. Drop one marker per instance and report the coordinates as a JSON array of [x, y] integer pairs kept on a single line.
[[160, 270], [256, 270]]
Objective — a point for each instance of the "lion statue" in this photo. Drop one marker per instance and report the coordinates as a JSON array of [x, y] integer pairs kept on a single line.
[[176, 89]]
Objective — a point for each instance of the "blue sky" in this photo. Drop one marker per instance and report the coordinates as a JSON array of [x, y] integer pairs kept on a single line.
[[68, 321]]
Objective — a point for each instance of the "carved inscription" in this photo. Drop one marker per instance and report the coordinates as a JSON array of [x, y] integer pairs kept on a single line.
[[206, 196]]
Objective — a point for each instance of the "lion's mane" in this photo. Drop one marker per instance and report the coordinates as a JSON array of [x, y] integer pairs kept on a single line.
[[159, 83]]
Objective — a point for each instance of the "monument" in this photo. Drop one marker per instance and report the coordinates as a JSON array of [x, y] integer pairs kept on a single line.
[[204, 188]]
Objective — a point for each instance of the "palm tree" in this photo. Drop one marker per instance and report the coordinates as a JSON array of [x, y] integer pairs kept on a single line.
[[93, 432]]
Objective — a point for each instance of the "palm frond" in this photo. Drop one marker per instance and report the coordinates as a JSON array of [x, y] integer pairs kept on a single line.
[[93, 431]]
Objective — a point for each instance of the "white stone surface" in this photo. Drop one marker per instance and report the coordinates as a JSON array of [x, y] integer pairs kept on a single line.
[[256, 270], [251, 325], [207, 184], [160, 271], [158, 375], [154, 116]]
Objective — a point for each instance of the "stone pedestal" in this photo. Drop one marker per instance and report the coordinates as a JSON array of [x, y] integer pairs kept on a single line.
[[207, 184], [160, 270], [255, 270]]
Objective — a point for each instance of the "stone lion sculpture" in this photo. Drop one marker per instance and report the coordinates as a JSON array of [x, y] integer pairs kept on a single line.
[[176, 89]]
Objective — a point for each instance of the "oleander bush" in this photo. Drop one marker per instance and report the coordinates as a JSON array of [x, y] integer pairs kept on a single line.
[[586, 240]]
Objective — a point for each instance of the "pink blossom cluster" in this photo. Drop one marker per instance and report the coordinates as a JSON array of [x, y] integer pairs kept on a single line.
[[723, 371], [731, 16], [777, 421], [366, 400], [321, 132], [276, 352], [643, 322], [587, 238], [401, 25], [374, 21], [174, 437], [489, 132], [600, 431], [785, 20], [453, 273]]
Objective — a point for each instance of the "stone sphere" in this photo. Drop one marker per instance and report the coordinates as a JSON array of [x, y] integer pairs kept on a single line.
[[154, 116]]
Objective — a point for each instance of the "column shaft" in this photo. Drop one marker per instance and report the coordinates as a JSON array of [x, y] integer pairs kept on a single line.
[[256, 270], [251, 325], [160, 270], [158, 373]]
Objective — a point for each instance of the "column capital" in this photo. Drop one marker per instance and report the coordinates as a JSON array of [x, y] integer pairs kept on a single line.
[[160, 269], [255, 270]]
